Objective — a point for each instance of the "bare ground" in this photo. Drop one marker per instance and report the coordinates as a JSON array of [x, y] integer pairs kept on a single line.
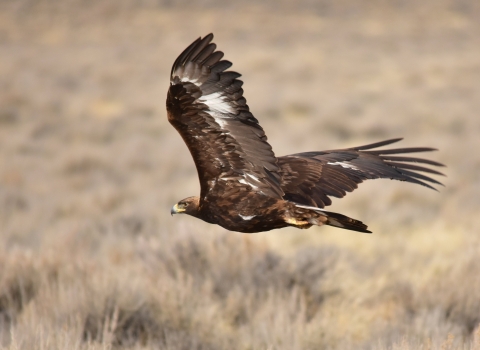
[[89, 168]]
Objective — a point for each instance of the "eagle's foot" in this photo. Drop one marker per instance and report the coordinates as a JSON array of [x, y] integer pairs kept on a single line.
[[302, 224]]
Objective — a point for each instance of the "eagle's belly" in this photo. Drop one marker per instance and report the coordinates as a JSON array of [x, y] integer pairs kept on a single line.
[[248, 214]]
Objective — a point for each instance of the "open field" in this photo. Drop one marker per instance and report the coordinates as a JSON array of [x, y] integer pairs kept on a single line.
[[90, 257]]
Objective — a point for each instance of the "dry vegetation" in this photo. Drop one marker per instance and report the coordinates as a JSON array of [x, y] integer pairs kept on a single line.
[[89, 168]]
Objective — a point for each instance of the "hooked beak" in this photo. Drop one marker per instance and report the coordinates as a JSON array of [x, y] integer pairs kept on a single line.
[[176, 210]]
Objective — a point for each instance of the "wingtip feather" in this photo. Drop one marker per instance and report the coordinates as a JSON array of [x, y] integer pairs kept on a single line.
[[377, 144]]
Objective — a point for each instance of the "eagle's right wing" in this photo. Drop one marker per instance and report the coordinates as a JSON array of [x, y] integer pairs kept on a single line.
[[205, 104], [310, 178]]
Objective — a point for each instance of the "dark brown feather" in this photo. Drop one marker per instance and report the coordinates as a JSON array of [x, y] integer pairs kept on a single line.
[[340, 171]]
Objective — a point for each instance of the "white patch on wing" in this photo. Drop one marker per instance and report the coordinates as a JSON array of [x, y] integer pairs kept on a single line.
[[344, 165], [213, 97], [246, 181], [252, 176], [216, 103], [243, 181], [220, 121], [249, 217], [187, 80]]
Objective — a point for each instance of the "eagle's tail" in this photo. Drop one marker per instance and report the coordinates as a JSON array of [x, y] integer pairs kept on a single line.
[[317, 216], [342, 221]]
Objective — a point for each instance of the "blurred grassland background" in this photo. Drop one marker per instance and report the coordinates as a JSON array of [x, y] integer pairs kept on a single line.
[[89, 168]]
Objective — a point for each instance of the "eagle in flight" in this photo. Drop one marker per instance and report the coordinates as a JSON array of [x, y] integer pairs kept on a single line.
[[244, 187]]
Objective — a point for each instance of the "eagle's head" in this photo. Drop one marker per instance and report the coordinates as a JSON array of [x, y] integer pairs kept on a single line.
[[186, 206]]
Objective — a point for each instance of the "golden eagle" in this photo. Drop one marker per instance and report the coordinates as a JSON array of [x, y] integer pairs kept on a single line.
[[244, 186]]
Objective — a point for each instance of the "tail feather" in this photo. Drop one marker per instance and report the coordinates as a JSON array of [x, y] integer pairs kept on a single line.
[[342, 221], [321, 217]]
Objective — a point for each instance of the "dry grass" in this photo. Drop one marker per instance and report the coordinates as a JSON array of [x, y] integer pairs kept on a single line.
[[89, 168]]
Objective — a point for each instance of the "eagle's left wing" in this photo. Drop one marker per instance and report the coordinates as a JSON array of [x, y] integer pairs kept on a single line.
[[310, 178], [205, 104]]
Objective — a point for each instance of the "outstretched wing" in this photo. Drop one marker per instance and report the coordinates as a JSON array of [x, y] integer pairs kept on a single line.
[[205, 104], [310, 178]]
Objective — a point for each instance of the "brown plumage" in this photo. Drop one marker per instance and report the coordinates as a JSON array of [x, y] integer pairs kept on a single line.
[[243, 186]]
